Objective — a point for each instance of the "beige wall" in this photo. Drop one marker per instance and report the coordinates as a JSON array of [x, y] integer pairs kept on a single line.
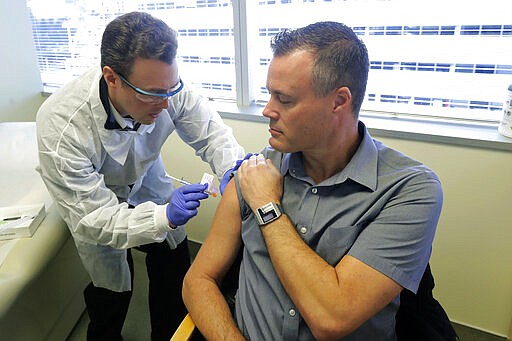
[[472, 254]]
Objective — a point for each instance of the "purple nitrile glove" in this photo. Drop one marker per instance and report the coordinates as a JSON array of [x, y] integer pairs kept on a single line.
[[229, 173], [184, 202]]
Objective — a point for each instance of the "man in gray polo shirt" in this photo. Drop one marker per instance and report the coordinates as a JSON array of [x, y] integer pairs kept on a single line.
[[333, 224]]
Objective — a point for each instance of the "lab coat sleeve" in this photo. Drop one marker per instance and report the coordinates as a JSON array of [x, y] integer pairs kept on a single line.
[[90, 209], [202, 128]]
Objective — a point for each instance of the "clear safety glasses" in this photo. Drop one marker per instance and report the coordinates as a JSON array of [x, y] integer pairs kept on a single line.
[[152, 97]]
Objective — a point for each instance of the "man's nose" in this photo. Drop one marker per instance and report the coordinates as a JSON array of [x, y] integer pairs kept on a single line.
[[268, 111]]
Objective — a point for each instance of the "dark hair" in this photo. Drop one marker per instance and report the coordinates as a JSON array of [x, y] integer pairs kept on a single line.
[[341, 58], [136, 35]]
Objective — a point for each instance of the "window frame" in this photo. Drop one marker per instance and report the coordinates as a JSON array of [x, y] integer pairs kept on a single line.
[[386, 125]]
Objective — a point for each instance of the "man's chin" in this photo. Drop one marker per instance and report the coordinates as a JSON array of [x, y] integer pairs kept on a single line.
[[149, 119], [280, 147], [152, 118]]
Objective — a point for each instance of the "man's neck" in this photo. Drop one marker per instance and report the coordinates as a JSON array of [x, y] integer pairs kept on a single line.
[[321, 164]]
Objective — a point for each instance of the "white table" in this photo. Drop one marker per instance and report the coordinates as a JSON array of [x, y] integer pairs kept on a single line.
[[41, 277]]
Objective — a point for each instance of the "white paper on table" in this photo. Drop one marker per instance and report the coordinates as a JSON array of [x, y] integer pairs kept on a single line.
[[20, 221]]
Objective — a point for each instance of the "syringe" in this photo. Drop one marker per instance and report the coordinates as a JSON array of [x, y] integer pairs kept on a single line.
[[183, 182]]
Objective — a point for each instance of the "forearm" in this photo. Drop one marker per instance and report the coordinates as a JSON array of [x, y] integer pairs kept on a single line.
[[209, 310], [333, 300], [93, 211], [312, 284], [112, 223]]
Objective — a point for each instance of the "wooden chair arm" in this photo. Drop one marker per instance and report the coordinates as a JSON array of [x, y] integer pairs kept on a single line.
[[185, 329]]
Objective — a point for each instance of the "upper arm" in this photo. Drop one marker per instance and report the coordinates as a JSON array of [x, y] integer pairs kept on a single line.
[[201, 288], [70, 176], [221, 246], [398, 242], [391, 252]]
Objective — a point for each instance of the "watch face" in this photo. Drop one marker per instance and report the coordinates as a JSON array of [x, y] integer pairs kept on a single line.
[[267, 216], [268, 213]]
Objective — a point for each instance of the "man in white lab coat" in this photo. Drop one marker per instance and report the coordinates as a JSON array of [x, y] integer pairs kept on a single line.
[[99, 140]]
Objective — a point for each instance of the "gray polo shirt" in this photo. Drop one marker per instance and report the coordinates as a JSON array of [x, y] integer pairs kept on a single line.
[[382, 209]]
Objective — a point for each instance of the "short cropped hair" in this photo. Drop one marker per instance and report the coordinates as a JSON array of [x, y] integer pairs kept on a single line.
[[137, 35], [341, 58]]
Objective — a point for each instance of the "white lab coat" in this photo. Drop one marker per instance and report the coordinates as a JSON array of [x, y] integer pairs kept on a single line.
[[88, 170]]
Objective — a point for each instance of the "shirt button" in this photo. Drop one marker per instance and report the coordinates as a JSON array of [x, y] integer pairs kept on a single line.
[[291, 312], [314, 190], [303, 230]]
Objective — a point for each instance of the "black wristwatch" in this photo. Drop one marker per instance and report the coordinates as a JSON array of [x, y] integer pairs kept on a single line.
[[267, 213]]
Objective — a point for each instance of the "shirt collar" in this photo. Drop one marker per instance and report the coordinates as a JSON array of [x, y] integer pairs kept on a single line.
[[125, 123], [362, 167], [114, 119]]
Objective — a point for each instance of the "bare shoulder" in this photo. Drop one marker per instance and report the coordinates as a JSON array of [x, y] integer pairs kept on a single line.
[[224, 237]]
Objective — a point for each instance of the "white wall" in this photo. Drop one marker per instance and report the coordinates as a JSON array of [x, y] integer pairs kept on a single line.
[[472, 254], [20, 83]]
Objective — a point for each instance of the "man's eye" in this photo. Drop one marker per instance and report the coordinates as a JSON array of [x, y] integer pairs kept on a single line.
[[283, 100]]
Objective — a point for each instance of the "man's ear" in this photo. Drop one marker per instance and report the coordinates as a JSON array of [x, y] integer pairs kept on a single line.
[[110, 76], [343, 99]]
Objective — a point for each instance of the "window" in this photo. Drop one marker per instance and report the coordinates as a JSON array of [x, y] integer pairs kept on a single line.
[[67, 35], [449, 59]]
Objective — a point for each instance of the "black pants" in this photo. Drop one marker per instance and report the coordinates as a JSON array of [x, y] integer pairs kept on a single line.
[[166, 269]]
